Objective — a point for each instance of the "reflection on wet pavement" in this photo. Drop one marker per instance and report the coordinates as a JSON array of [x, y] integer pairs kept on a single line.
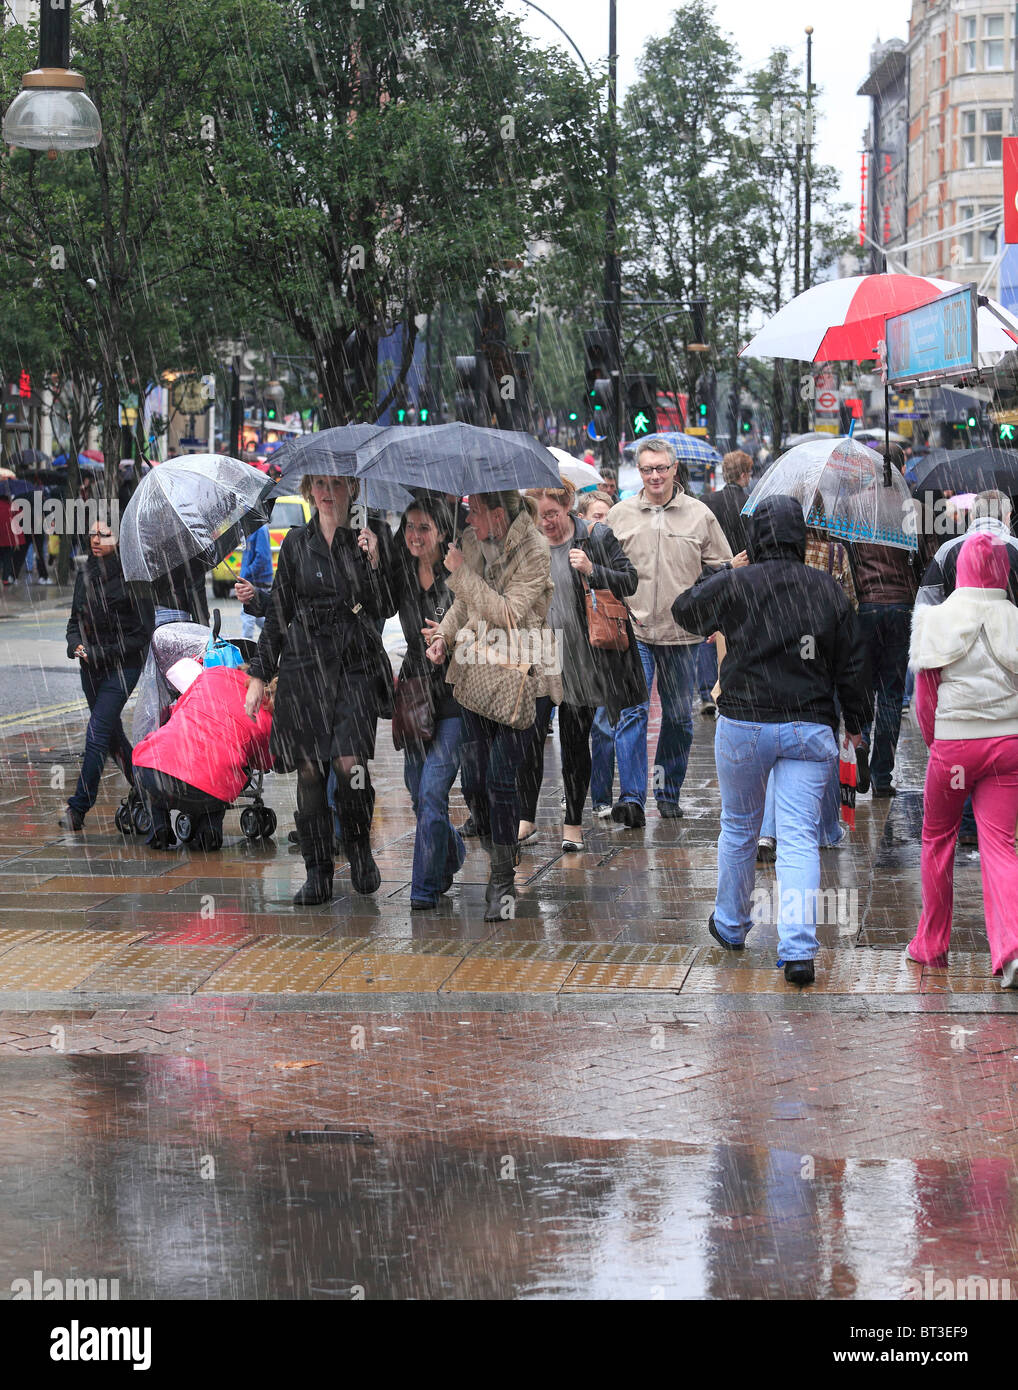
[[218, 1212]]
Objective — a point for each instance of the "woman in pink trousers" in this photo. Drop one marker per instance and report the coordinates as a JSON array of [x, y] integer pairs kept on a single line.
[[965, 655]]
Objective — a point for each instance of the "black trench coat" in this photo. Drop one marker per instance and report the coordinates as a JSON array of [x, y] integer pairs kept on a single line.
[[620, 681], [335, 679]]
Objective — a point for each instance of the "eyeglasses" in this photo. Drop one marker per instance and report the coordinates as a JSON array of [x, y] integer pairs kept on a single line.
[[424, 530], [656, 468]]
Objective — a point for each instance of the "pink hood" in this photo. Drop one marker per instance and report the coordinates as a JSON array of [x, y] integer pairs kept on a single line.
[[983, 563]]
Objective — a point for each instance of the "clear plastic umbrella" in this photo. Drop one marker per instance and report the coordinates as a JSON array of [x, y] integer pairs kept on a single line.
[[842, 488], [190, 508]]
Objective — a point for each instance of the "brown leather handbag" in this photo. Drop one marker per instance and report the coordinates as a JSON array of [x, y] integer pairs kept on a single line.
[[413, 719], [606, 620]]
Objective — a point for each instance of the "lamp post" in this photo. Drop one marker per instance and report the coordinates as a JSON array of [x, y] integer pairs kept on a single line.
[[53, 112]]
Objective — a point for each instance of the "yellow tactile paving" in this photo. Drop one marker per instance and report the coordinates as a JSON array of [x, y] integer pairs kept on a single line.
[[967, 973], [273, 970], [366, 973], [157, 970], [493, 976], [17, 936], [593, 977], [60, 960]]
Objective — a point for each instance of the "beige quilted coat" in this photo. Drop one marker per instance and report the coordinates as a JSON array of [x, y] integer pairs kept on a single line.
[[520, 580]]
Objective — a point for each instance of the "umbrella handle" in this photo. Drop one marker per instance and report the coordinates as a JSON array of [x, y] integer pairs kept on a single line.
[[217, 622]]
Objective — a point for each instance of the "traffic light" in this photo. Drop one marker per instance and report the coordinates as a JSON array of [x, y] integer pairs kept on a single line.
[[400, 404], [698, 340], [745, 421], [701, 411], [597, 353], [972, 422], [641, 405], [1006, 434], [468, 386], [602, 399], [424, 405]]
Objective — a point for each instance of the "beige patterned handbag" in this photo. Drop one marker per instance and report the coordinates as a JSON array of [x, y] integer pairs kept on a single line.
[[496, 683]]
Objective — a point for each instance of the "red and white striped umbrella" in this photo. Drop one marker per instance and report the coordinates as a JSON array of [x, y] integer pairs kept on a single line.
[[843, 320]]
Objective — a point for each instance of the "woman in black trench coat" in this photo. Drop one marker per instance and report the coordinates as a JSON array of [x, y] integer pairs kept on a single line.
[[335, 680]]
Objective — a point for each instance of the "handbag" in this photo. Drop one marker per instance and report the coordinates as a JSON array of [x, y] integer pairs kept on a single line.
[[606, 620], [413, 718], [492, 683]]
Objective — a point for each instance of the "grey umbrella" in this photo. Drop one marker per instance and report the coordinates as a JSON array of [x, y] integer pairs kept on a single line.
[[457, 459], [332, 453]]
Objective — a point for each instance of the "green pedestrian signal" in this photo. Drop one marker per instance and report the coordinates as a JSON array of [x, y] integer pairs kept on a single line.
[[972, 422], [401, 416], [422, 414], [1007, 433], [641, 424]]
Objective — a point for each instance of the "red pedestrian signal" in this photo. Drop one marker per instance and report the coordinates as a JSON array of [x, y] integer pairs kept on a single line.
[[24, 385]]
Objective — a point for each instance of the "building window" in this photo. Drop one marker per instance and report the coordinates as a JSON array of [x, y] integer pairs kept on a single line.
[[988, 235], [993, 41], [968, 47], [967, 238], [968, 138], [993, 130]]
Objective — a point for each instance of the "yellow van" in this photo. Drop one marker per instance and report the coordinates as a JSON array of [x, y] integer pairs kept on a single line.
[[286, 512]]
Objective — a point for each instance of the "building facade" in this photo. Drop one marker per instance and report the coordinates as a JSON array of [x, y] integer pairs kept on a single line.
[[886, 152], [960, 80]]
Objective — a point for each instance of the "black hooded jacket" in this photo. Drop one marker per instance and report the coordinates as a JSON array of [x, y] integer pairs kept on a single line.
[[791, 634]]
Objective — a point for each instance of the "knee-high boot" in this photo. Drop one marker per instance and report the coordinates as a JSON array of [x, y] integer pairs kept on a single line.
[[315, 833], [355, 810]]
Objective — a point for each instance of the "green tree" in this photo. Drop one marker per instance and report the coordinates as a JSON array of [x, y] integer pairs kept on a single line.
[[401, 157]]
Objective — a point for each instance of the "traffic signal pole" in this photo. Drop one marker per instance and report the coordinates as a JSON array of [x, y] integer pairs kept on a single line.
[[612, 266]]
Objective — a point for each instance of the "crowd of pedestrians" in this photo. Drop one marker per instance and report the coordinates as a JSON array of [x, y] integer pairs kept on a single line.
[[525, 605]]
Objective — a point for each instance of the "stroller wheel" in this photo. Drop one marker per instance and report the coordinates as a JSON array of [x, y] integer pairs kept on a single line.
[[268, 821], [185, 829], [142, 819], [122, 819], [251, 822]]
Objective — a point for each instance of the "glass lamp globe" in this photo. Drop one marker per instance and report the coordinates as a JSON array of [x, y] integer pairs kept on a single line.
[[52, 112]]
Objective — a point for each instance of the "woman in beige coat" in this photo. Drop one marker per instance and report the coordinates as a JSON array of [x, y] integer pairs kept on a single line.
[[501, 582]]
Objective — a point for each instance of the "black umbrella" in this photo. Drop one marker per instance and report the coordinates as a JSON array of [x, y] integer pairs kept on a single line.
[[968, 470], [333, 454], [458, 459]]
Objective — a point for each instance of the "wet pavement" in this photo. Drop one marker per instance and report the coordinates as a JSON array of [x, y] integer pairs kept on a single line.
[[589, 1100]]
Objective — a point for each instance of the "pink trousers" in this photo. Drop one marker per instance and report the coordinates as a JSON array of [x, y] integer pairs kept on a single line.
[[986, 768]]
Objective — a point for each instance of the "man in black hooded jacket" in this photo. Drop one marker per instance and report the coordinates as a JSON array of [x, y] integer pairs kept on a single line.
[[792, 642]]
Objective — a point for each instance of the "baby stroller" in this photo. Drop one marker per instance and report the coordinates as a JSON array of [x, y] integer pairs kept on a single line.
[[176, 659]]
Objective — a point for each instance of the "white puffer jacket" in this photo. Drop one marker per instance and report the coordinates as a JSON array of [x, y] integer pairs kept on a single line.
[[972, 639]]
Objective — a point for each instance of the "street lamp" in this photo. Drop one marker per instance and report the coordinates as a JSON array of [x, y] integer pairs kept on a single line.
[[53, 112]]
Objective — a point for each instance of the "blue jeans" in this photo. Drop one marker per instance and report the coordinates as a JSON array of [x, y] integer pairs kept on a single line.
[[800, 756], [602, 759], [909, 695], [250, 626], [429, 772], [832, 832], [107, 694], [676, 667], [706, 670], [886, 629]]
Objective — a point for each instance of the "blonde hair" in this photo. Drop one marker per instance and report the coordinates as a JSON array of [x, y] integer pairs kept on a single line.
[[736, 465], [564, 495], [587, 499], [353, 487], [511, 502]]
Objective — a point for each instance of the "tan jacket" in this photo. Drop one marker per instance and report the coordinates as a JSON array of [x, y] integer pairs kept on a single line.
[[669, 546], [520, 581]]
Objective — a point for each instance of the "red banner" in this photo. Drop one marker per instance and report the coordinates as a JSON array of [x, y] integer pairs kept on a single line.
[[1011, 190]]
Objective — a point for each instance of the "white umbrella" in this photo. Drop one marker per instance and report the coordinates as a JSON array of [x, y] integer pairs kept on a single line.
[[583, 476]]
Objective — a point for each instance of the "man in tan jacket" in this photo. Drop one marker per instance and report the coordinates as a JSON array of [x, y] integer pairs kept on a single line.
[[670, 537]]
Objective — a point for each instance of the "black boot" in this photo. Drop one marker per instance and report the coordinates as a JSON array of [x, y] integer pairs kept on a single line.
[[316, 848], [500, 894], [363, 870]]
